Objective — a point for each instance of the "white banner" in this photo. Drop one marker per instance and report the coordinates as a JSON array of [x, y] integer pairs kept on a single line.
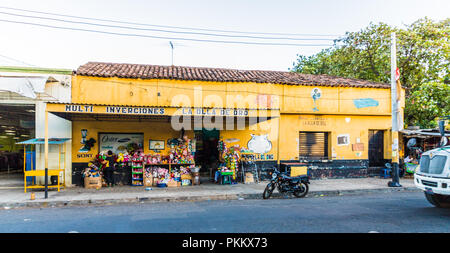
[[118, 142]]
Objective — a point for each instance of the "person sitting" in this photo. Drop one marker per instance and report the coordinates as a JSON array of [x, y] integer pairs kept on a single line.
[[408, 159]]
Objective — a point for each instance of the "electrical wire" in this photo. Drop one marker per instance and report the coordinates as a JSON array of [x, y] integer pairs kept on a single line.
[[166, 26], [19, 61], [162, 37], [166, 31]]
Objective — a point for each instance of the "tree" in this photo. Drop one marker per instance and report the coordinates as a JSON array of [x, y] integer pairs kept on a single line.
[[423, 53], [427, 102]]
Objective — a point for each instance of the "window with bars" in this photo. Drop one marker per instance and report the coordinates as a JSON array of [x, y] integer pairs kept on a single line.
[[313, 145]]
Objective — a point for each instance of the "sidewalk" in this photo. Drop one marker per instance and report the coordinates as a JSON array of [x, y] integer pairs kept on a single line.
[[78, 196]]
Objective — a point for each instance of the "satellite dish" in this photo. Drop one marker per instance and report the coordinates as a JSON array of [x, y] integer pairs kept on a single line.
[[443, 141], [411, 143]]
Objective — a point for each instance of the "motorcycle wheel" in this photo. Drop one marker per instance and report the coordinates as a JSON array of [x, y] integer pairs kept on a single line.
[[268, 191], [301, 194]]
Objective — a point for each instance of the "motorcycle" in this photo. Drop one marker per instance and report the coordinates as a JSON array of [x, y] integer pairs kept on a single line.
[[287, 185]]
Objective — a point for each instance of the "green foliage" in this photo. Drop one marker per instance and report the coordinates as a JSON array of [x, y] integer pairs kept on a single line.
[[423, 54], [427, 102]]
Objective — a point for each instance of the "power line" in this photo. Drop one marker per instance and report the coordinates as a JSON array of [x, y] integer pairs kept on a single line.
[[162, 37], [166, 26], [10, 58], [165, 31]]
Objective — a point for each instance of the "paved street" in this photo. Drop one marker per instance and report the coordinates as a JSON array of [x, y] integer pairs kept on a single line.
[[397, 212]]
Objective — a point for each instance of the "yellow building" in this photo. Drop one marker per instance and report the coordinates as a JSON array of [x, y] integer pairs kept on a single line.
[[339, 127]]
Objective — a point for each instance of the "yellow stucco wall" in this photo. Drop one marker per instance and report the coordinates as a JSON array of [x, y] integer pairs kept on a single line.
[[336, 108], [161, 131], [357, 127], [138, 92], [151, 131], [287, 98]]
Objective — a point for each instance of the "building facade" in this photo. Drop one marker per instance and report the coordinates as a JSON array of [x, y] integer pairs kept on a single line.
[[24, 94], [339, 127]]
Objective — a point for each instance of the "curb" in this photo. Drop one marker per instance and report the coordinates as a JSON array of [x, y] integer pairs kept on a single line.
[[105, 202]]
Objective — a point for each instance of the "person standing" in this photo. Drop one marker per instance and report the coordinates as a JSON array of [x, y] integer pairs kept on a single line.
[[109, 169]]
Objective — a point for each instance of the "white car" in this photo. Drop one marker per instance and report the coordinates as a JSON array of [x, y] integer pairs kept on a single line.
[[433, 176]]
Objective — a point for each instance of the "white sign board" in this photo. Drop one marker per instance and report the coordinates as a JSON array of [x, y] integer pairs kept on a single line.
[[118, 142]]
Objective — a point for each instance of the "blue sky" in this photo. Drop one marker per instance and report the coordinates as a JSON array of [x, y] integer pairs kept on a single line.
[[46, 47]]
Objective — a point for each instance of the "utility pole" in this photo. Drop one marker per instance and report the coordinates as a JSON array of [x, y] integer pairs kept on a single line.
[[394, 114], [171, 45]]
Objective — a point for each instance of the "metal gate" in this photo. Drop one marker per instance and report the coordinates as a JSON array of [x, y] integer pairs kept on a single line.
[[313, 145], [376, 148]]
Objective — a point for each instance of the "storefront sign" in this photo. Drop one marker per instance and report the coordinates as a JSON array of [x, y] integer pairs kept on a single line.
[[264, 156], [114, 109], [118, 142], [84, 155], [214, 112], [79, 108], [315, 121], [134, 110], [167, 111]]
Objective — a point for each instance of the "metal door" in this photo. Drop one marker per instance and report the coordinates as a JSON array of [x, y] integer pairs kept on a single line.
[[376, 147]]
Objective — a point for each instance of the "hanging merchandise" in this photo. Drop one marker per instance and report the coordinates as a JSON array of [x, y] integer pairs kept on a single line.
[[155, 169], [229, 158], [137, 169]]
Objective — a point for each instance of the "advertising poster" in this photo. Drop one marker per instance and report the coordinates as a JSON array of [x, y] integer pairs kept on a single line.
[[119, 142]]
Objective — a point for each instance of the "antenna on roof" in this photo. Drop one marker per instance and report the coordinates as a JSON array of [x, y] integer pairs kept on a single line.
[[171, 45]]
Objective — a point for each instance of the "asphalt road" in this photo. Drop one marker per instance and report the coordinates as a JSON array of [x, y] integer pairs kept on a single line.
[[399, 212]]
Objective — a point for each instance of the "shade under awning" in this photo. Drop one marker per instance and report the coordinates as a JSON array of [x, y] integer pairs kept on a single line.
[[423, 133], [42, 141]]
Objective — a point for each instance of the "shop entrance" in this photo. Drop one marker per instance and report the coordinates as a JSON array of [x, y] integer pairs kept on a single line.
[[376, 148], [207, 152], [17, 123]]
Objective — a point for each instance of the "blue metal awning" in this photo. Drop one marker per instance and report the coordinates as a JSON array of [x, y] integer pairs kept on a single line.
[[42, 141]]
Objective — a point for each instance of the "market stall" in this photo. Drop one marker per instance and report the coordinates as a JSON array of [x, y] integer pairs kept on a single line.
[[172, 169], [236, 164], [52, 172]]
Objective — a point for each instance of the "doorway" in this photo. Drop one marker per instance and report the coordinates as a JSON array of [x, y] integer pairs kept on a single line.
[[376, 148], [207, 152], [17, 123]]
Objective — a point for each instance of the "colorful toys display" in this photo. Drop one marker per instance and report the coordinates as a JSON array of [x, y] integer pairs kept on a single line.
[[230, 160], [180, 161]]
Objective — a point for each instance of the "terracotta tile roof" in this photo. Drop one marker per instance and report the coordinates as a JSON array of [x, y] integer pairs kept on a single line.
[[142, 71]]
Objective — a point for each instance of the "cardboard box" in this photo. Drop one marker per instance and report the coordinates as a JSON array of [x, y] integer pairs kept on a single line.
[[172, 184], [93, 182], [148, 181], [186, 177], [249, 178]]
